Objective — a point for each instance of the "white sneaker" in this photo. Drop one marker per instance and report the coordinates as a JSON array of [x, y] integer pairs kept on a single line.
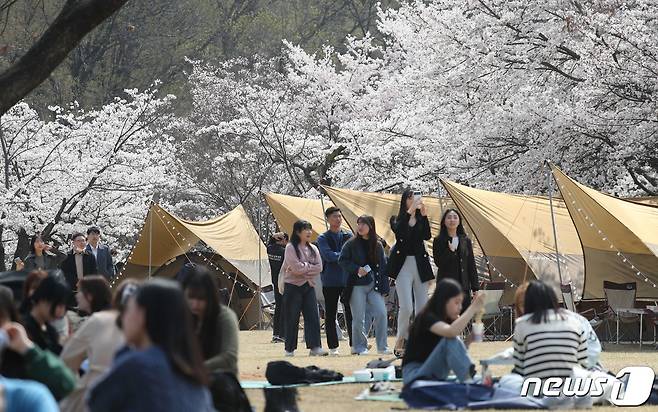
[[363, 352], [290, 354], [386, 351], [318, 352], [334, 352]]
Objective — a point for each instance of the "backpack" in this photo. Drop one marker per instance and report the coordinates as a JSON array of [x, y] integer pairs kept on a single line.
[[227, 394], [285, 373]]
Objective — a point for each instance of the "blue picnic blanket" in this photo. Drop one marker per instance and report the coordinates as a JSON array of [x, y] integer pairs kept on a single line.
[[423, 394]]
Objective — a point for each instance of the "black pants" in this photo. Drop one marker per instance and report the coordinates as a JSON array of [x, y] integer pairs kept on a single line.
[[278, 328], [331, 296], [345, 300], [301, 299]]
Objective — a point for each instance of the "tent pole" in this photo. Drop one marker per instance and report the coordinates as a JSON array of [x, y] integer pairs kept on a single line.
[[150, 238], [550, 201], [440, 199], [260, 265], [326, 225]]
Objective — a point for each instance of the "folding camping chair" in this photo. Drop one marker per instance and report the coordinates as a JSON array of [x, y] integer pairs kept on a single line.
[[570, 304], [492, 310], [619, 297], [268, 305], [392, 310]]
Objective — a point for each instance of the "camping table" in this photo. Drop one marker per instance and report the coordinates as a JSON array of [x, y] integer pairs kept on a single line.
[[632, 311]]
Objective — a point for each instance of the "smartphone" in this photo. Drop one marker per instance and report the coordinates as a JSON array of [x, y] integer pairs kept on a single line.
[[418, 195], [17, 260], [367, 268]]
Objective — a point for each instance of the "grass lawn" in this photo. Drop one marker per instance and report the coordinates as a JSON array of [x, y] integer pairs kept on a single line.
[[256, 350]]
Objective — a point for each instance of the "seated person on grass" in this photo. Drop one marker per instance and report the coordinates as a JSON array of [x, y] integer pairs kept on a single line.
[[434, 347]]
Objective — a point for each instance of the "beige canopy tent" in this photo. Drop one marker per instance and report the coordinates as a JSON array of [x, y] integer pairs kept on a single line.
[[381, 206], [288, 209], [166, 239], [384, 205], [651, 200], [619, 237], [515, 232]]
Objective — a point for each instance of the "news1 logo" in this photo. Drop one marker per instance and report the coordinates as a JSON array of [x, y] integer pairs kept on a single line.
[[635, 392]]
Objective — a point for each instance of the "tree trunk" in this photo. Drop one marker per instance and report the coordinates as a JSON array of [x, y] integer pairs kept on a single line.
[[3, 265], [22, 247], [77, 18]]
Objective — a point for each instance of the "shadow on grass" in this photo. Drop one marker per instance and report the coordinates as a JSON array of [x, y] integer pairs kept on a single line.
[[647, 347]]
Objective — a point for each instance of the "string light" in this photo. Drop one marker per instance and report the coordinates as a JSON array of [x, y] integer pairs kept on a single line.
[[164, 218], [625, 259], [499, 273], [209, 262]]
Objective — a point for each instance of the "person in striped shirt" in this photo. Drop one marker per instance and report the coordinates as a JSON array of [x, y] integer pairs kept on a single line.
[[548, 342]]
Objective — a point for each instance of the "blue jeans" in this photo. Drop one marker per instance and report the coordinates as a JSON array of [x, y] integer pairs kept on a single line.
[[366, 297], [449, 354]]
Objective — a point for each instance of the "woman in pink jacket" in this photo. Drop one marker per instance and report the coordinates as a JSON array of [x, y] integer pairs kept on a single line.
[[301, 268]]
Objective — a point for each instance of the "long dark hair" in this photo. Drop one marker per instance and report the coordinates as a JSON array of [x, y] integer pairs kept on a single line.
[[169, 326], [201, 284], [7, 308], [295, 239], [443, 232], [445, 290], [372, 241], [406, 194], [33, 240], [99, 289], [539, 300]]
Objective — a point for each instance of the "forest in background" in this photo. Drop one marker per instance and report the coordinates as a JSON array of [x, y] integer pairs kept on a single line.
[[149, 40]]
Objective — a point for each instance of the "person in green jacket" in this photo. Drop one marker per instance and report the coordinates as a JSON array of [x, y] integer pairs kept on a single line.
[[29, 361], [40, 365], [216, 325]]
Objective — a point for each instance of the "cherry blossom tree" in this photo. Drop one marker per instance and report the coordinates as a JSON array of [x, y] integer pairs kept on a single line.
[[83, 167], [477, 91]]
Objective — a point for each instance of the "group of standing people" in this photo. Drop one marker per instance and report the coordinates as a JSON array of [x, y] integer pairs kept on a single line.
[[356, 271], [86, 256]]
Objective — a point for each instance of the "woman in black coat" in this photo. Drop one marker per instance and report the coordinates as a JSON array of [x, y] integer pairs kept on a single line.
[[453, 255], [409, 262]]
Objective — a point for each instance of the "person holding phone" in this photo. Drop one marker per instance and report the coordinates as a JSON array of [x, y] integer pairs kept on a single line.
[[364, 260], [42, 256], [453, 255], [409, 261]]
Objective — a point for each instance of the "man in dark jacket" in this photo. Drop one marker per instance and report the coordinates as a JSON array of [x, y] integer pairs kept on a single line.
[[276, 248], [100, 252], [334, 278], [78, 263]]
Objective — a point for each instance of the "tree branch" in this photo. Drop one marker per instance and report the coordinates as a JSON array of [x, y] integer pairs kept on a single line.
[[76, 19]]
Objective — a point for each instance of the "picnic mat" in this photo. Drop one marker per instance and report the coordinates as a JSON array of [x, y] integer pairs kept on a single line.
[[388, 397], [381, 392], [266, 384]]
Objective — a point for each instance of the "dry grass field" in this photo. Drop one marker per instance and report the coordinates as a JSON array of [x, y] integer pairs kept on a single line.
[[256, 350]]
